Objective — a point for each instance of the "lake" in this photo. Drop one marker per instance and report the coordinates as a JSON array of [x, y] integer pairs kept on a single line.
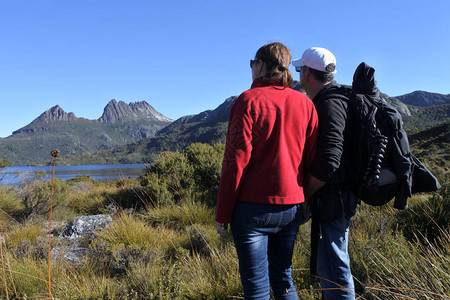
[[18, 174]]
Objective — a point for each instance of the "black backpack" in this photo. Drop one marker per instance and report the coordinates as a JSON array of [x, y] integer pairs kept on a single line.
[[383, 164]]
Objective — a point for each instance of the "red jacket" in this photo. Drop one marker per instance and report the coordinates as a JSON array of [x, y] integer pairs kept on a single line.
[[270, 146]]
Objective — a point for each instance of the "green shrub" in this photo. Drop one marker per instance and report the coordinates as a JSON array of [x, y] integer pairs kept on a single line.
[[169, 180], [207, 163], [82, 178], [176, 166], [193, 173], [36, 196], [4, 163], [156, 187]]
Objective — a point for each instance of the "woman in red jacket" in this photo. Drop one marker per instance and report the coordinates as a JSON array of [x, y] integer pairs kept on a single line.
[[270, 145]]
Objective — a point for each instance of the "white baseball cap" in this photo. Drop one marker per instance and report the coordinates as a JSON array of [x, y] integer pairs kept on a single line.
[[316, 58]]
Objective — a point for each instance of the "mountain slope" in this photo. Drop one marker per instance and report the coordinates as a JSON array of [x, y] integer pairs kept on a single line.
[[425, 117], [432, 147], [220, 114]]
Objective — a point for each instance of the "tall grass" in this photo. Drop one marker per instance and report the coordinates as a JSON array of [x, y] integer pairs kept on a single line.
[[180, 216], [415, 270], [393, 264]]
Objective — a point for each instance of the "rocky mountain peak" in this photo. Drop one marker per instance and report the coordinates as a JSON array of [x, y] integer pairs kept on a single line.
[[120, 112], [56, 113]]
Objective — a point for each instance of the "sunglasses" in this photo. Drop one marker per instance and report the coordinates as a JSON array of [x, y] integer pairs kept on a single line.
[[252, 62]]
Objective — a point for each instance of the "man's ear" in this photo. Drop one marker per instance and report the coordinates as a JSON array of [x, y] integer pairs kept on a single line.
[[307, 72]]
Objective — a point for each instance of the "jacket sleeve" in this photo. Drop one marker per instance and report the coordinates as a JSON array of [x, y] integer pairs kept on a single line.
[[312, 135], [238, 148], [332, 119]]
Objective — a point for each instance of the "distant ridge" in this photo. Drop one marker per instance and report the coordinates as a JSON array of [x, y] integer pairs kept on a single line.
[[421, 98]]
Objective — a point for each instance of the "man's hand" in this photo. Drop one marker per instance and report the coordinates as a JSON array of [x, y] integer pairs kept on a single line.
[[222, 228], [312, 186]]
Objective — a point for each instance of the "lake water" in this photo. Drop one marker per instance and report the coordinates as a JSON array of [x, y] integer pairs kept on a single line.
[[17, 174]]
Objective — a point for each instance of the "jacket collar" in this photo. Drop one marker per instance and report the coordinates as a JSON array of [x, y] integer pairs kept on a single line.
[[329, 88], [258, 83]]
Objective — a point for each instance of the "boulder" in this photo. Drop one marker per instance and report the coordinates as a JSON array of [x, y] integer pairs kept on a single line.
[[71, 254], [85, 226]]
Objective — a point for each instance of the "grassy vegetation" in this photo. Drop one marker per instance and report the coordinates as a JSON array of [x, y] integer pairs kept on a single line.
[[162, 243]]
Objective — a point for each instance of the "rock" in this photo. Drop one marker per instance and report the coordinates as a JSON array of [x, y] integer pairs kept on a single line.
[[76, 235], [71, 254], [400, 106], [86, 225], [117, 261], [56, 113], [38, 249]]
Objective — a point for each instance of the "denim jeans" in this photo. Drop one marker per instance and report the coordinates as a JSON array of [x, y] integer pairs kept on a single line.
[[264, 237], [333, 261]]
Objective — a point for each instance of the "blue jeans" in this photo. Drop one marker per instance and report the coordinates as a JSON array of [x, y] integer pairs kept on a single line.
[[264, 237], [333, 261]]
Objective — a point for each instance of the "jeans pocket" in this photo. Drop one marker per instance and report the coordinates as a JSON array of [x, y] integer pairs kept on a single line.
[[253, 214]]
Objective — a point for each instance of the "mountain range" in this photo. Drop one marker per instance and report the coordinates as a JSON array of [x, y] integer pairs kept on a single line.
[[136, 132], [120, 124]]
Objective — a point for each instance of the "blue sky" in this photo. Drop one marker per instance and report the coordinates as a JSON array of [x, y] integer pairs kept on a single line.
[[184, 57]]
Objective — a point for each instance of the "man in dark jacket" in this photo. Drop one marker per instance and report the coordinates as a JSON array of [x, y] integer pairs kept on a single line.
[[329, 183]]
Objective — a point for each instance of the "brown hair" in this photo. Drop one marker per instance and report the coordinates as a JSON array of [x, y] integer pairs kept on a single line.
[[276, 58]]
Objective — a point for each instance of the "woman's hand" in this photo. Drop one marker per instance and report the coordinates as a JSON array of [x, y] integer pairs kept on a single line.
[[222, 228]]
